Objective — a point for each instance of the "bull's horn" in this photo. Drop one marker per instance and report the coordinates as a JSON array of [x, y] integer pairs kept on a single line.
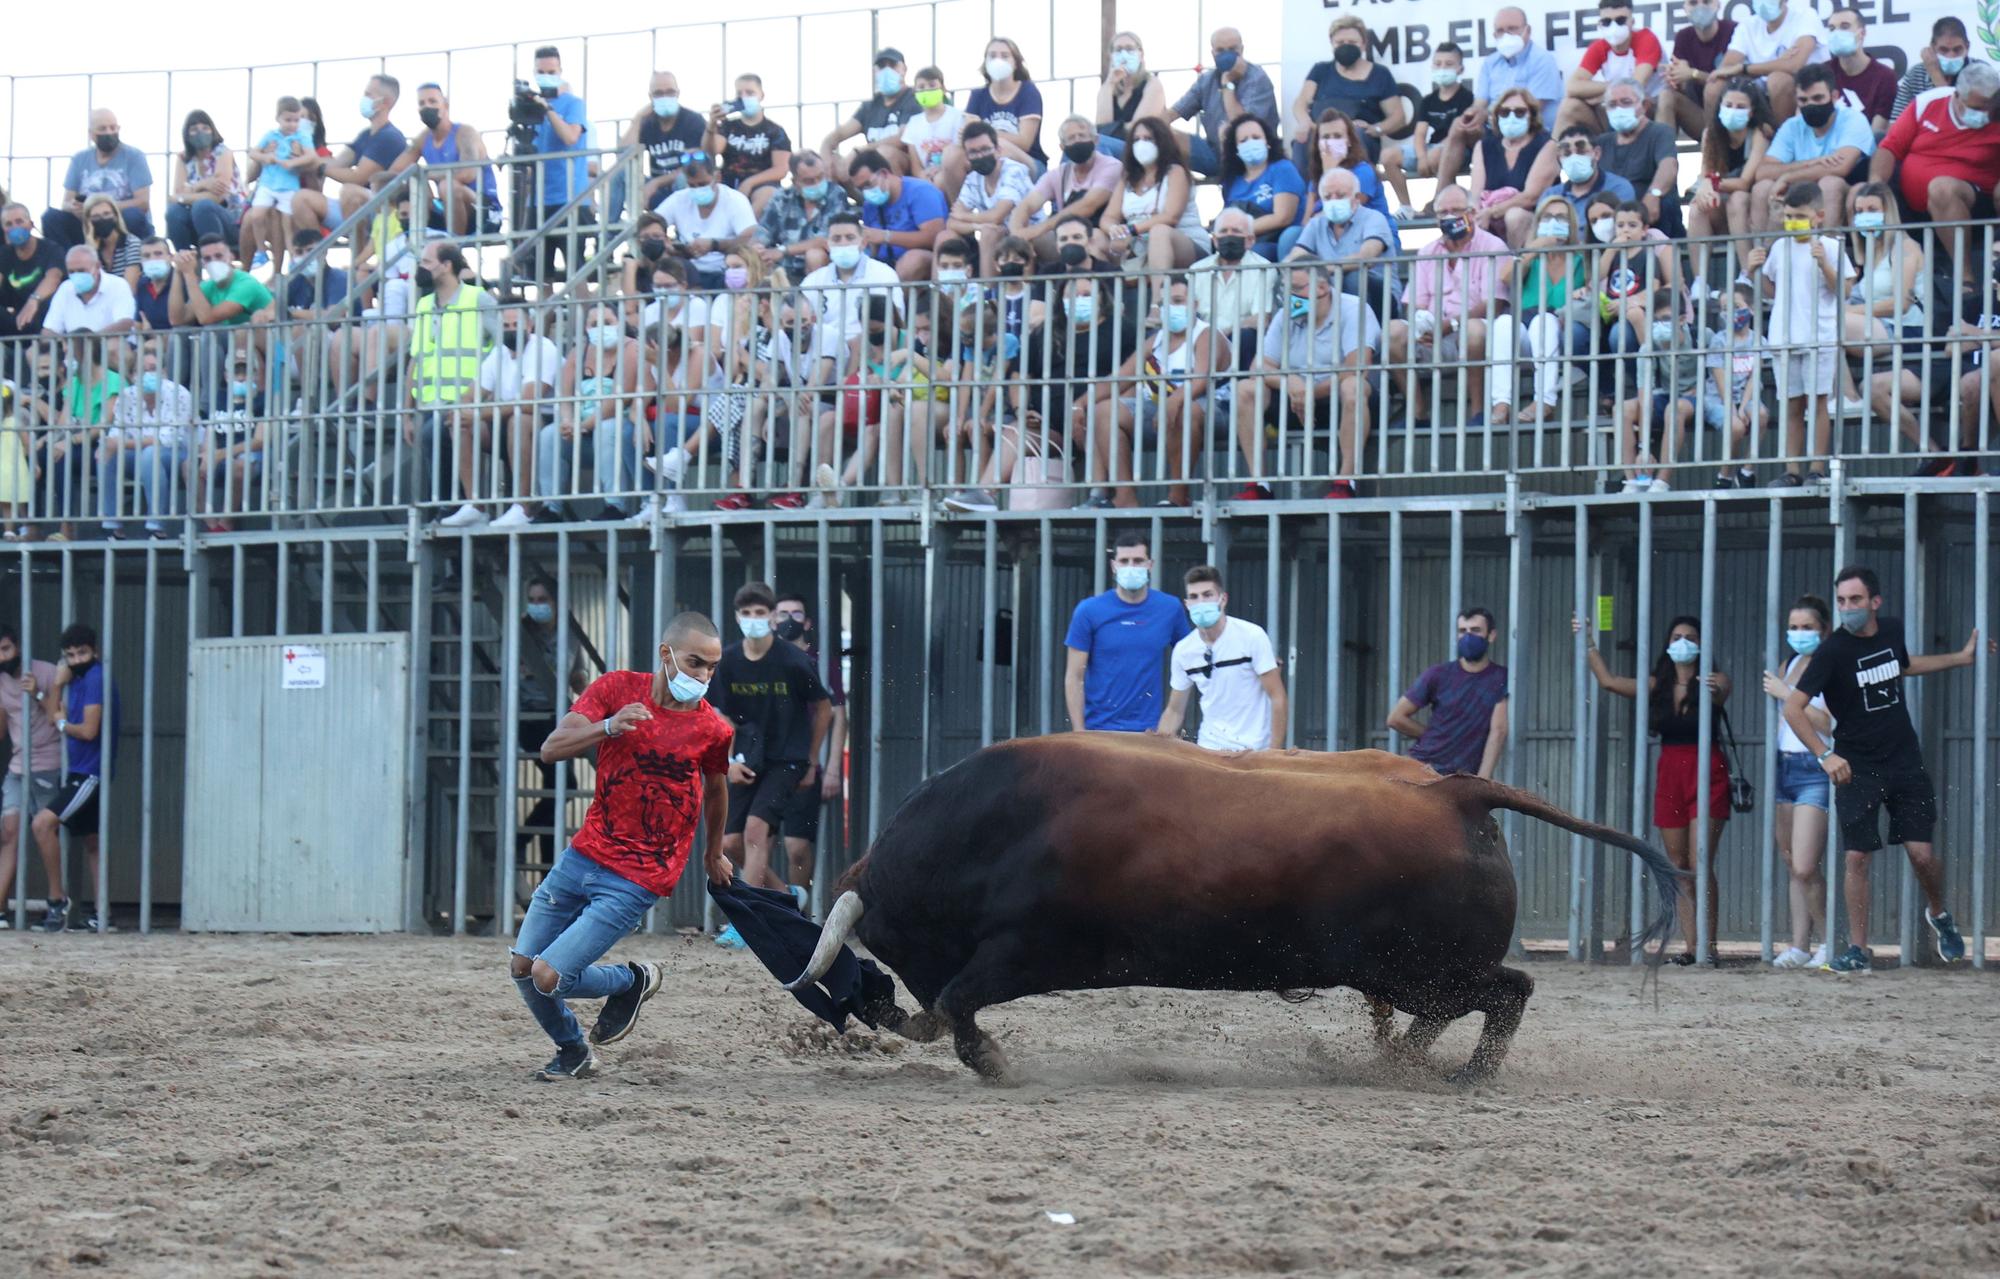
[[839, 927]]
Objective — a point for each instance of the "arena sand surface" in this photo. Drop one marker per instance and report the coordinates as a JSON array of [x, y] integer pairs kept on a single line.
[[218, 1106]]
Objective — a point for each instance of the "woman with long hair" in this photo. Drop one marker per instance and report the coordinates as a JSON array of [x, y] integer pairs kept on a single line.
[[1732, 146], [1676, 702], [207, 193], [1800, 801]]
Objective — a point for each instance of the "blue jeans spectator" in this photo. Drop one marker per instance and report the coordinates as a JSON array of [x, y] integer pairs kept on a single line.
[[574, 919], [187, 223], [156, 468], [65, 229], [614, 450], [1286, 240]]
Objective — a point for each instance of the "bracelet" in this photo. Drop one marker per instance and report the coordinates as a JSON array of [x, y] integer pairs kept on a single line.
[[1823, 754], [607, 729]]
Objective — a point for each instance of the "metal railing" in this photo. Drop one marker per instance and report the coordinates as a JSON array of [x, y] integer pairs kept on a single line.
[[995, 393]]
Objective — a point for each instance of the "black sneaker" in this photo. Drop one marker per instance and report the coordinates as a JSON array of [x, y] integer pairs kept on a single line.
[[1787, 481], [1937, 464], [57, 920], [621, 1012], [572, 1061], [1725, 481]]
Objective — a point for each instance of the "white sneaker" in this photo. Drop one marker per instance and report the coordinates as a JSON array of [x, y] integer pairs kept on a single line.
[[1792, 957], [827, 483], [669, 466], [1660, 485], [674, 504], [1404, 213], [643, 517], [1822, 956], [515, 516], [1638, 484], [467, 516]]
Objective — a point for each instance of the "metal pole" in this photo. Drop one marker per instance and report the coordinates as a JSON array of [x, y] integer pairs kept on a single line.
[[1457, 577], [1704, 752], [1579, 711], [1046, 591], [326, 587], [462, 846], [829, 661], [1392, 665], [1641, 710], [924, 681], [1273, 592], [1913, 595], [990, 603], [236, 576], [1982, 699], [509, 751], [876, 636], [559, 819], [146, 741], [1767, 813], [107, 746], [21, 834], [374, 602], [1520, 562], [1842, 540], [1333, 630]]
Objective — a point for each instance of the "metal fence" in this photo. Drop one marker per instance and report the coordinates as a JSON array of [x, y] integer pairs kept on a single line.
[[954, 639], [643, 389]]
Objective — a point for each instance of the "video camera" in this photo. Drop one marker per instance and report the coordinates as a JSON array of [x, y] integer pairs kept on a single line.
[[528, 108]]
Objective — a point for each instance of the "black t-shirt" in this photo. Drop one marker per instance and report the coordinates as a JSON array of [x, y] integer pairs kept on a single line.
[[666, 141], [747, 147], [22, 276], [1441, 113], [770, 702], [1861, 678], [883, 121]]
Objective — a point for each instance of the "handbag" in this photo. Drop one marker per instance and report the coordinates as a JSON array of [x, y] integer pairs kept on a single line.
[[1742, 795]]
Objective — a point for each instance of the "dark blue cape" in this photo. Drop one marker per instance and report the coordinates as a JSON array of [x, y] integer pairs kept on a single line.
[[772, 925]]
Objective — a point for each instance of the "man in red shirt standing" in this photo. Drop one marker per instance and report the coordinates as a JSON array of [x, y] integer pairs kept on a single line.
[[1944, 151], [662, 758]]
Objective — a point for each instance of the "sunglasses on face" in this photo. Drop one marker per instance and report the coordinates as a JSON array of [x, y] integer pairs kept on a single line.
[[1514, 113]]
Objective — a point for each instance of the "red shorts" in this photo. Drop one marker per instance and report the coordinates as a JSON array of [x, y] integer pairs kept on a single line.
[[1674, 794]]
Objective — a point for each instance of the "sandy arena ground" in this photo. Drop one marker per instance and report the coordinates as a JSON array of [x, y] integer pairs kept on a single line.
[[215, 1106]]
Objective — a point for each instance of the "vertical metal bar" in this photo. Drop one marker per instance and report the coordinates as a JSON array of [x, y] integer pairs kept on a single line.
[[876, 636], [507, 829], [1289, 672], [1914, 610], [373, 615], [145, 741], [21, 834], [326, 587], [1767, 815], [1843, 533], [829, 661], [1520, 551], [1579, 713], [722, 620], [614, 632], [236, 591], [1273, 595], [107, 743], [559, 820], [989, 631], [282, 612], [1705, 743], [1982, 703], [62, 835], [1392, 664], [1046, 591], [1458, 600], [1641, 713], [1333, 630], [924, 682], [462, 846]]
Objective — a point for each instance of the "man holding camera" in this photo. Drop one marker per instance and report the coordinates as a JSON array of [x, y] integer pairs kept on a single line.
[[561, 138]]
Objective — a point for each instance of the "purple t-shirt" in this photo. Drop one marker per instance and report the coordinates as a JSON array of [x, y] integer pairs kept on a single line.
[[1461, 703]]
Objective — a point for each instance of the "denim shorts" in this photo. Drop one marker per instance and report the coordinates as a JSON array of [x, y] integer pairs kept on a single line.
[[1802, 781]]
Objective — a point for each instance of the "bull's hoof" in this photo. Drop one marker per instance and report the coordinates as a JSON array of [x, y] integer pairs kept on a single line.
[[1471, 1075], [921, 1027], [986, 1058]]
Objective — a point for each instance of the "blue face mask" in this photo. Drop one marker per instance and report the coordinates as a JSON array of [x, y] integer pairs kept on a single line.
[[702, 196], [875, 196], [1622, 119], [541, 612], [1176, 317], [666, 106], [1804, 643], [1253, 151], [19, 235], [1513, 126], [681, 686], [1973, 118], [1226, 60], [1472, 647], [1133, 578], [888, 81], [1205, 614], [1683, 650], [149, 382], [1841, 43], [1301, 307], [82, 281], [1869, 220], [1578, 168], [155, 269], [241, 390], [1734, 119], [1082, 310], [814, 192], [1951, 66], [845, 256], [1339, 210], [545, 82], [754, 627]]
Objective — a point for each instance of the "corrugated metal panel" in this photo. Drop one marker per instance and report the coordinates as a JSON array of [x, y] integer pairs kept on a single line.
[[304, 789]]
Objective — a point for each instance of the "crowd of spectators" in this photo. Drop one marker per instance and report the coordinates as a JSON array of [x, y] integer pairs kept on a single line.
[[954, 289]]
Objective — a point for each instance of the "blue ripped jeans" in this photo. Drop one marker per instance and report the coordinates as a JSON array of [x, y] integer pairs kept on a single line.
[[576, 917]]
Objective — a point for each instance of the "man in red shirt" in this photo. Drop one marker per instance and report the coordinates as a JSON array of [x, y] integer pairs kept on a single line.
[[1944, 152], [662, 759], [1621, 51]]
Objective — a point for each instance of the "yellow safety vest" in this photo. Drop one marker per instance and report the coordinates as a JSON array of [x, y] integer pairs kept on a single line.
[[446, 347]]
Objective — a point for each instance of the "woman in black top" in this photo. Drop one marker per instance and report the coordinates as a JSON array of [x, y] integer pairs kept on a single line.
[[1512, 168], [1674, 713], [1129, 92]]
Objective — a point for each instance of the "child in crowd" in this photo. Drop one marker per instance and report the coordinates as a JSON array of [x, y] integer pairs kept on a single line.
[[1805, 275], [928, 136], [1733, 396], [1662, 401], [1449, 98], [280, 154]]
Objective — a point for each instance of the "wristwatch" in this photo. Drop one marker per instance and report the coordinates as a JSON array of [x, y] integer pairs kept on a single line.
[[1655, 192], [62, 726]]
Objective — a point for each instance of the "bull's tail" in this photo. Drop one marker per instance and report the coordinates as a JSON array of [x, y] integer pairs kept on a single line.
[[833, 936], [1488, 795]]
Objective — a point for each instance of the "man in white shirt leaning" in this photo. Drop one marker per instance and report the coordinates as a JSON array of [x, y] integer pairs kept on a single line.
[[1230, 662]]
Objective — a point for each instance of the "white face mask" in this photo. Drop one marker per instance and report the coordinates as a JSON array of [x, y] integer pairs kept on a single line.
[[1145, 151], [1131, 577], [999, 68], [753, 627], [1603, 229], [217, 271]]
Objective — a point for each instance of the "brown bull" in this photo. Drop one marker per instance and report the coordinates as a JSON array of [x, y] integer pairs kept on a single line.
[[1093, 860]]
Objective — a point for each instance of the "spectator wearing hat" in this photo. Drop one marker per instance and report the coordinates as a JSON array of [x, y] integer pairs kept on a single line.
[[879, 122]]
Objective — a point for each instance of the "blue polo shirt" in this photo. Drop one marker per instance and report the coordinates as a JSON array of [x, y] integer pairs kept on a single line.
[[562, 178], [1795, 140], [86, 690], [1128, 646], [919, 203]]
